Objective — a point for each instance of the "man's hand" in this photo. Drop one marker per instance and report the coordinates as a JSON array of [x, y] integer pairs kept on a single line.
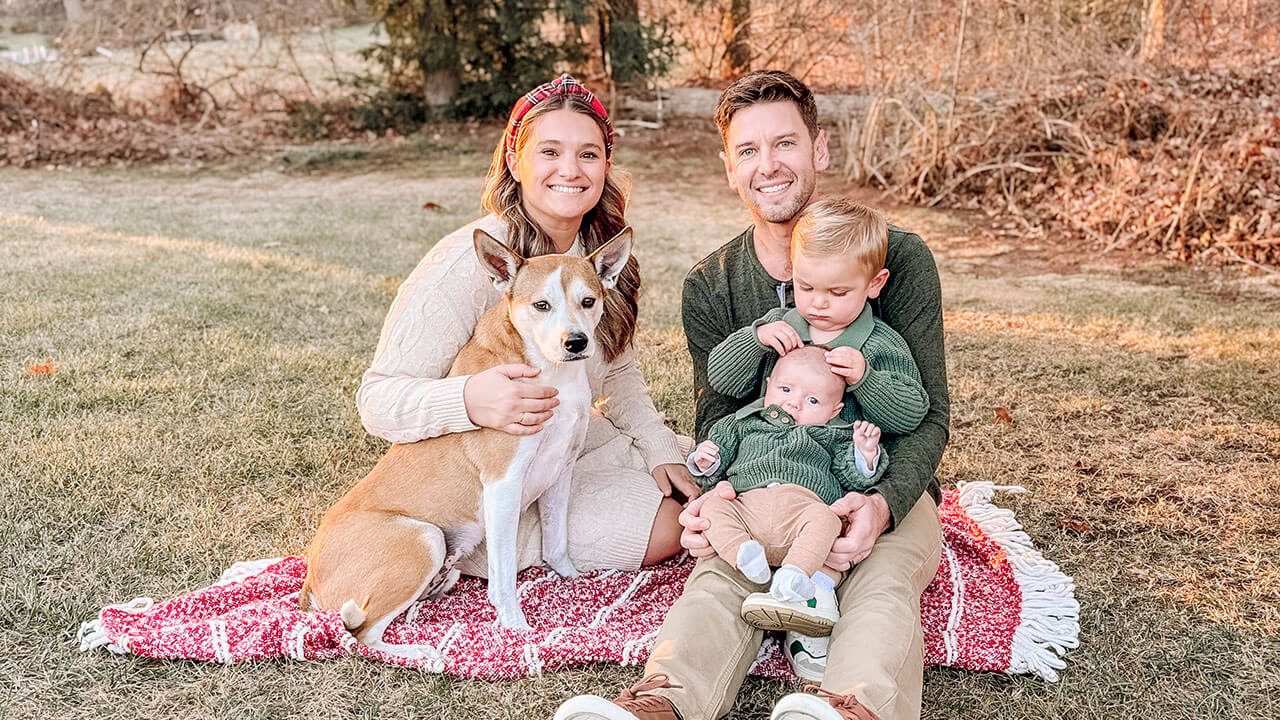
[[780, 336], [705, 455], [868, 517], [848, 363], [675, 475], [693, 524]]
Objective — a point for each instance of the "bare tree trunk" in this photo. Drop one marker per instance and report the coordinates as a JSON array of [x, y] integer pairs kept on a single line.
[[440, 86], [738, 37], [1153, 33], [74, 10]]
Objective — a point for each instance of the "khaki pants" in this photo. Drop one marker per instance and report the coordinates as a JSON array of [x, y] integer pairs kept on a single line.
[[877, 649]]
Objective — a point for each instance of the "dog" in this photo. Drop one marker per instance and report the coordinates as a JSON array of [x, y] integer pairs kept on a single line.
[[394, 537]]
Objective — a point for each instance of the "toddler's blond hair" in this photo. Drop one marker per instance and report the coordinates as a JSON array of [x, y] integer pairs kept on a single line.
[[837, 226]]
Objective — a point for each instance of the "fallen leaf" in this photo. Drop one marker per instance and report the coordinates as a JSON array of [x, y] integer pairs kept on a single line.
[[1002, 415], [45, 368], [428, 205], [1076, 526]]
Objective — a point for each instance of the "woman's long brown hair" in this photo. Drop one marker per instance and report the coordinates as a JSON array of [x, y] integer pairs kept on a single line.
[[599, 225]]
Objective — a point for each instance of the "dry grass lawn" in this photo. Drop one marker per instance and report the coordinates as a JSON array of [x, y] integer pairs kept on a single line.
[[209, 328]]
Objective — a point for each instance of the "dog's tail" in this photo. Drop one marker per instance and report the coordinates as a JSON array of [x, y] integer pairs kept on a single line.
[[353, 616]]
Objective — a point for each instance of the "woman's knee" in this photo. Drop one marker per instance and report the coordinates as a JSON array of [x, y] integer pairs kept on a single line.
[[664, 538]]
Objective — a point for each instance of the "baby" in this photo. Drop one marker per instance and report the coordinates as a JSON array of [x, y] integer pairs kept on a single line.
[[789, 457]]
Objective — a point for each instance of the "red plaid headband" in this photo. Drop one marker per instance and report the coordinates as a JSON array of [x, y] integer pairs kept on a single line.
[[566, 84]]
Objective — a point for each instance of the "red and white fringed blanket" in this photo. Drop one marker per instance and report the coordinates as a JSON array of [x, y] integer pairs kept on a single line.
[[995, 604]]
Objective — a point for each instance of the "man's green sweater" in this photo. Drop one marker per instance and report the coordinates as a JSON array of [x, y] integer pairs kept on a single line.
[[889, 393], [730, 289], [762, 445]]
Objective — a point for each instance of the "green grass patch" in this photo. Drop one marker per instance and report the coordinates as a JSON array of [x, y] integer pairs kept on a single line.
[[209, 328]]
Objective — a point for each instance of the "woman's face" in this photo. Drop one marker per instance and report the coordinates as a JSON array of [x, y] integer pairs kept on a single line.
[[561, 168]]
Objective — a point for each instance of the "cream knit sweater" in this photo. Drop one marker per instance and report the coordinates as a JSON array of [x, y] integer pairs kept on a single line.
[[405, 397]]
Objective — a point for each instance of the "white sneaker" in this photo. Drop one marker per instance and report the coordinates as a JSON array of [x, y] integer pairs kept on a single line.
[[814, 617], [591, 707], [823, 706], [803, 706], [808, 655]]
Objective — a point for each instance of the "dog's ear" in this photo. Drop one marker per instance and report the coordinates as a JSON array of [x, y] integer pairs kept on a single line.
[[610, 258], [499, 261]]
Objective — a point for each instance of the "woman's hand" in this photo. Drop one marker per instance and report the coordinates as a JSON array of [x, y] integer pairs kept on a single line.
[[675, 475], [691, 537], [496, 399], [868, 517]]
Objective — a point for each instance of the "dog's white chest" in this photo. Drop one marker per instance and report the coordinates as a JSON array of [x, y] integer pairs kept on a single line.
[[551, 453]]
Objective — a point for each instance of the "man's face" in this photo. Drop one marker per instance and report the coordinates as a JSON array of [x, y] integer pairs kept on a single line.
[[770, 160]]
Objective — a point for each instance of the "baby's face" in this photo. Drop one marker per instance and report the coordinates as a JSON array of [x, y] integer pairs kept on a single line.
[[831, 291], [806, 389]]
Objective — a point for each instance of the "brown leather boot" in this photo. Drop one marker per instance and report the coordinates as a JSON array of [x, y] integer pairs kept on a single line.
[[634, 703]]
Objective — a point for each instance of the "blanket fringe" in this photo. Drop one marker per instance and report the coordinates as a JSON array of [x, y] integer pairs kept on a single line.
[[92, 635], [1050, 622], [243, 569]]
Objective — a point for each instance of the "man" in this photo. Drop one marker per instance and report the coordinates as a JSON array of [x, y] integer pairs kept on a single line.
[[773, 150]]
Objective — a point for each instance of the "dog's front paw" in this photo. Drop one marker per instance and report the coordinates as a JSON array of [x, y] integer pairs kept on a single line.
[[513, 620], [562, 567]]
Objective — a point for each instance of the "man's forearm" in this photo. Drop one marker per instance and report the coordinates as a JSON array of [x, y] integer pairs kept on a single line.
[[915, 460]]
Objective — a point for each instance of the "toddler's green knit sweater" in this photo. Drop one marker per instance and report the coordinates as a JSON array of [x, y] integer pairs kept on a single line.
[[889, 393]]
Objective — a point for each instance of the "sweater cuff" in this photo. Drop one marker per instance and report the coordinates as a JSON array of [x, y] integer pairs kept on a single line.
[[862, 380], [447, 404], [661, 450]]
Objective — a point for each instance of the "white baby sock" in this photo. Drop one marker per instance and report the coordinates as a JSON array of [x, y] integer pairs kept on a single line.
[[790, 584], [751, 561], [824, 581]]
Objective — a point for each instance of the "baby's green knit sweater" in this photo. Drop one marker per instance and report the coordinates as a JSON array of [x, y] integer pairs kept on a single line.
[[763, 445]]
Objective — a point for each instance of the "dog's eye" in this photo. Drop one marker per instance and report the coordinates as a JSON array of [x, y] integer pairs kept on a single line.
[[588, 302], [542, 306]]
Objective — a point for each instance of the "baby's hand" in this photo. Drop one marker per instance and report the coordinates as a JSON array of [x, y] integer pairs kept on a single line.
[[780, 336], [706, 454], [849, 363], [866, 437]]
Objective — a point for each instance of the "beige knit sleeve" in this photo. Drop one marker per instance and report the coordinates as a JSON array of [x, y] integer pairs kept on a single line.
[[404, 396], [631, 410]]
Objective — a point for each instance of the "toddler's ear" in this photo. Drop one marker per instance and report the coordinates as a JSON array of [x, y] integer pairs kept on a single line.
[[877, 283]]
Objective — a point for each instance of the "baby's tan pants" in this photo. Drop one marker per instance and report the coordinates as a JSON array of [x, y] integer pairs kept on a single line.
[[791, 522]]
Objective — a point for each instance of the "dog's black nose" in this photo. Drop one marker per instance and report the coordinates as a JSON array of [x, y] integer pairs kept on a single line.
[[574, 342]]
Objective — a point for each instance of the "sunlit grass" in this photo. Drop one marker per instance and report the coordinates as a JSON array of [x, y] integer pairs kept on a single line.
[[209, 328]]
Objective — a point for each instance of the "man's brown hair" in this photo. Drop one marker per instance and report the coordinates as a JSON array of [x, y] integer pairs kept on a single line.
[[764, 86]]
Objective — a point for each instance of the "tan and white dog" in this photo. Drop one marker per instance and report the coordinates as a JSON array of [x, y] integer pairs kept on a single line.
[[395, 536]]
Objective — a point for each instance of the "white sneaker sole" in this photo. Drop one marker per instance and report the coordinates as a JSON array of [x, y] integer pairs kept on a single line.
[[802, 706], [591, 707], [767, 615]]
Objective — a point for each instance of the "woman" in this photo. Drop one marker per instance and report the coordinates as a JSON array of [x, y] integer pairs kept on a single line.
[[549, 190]]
